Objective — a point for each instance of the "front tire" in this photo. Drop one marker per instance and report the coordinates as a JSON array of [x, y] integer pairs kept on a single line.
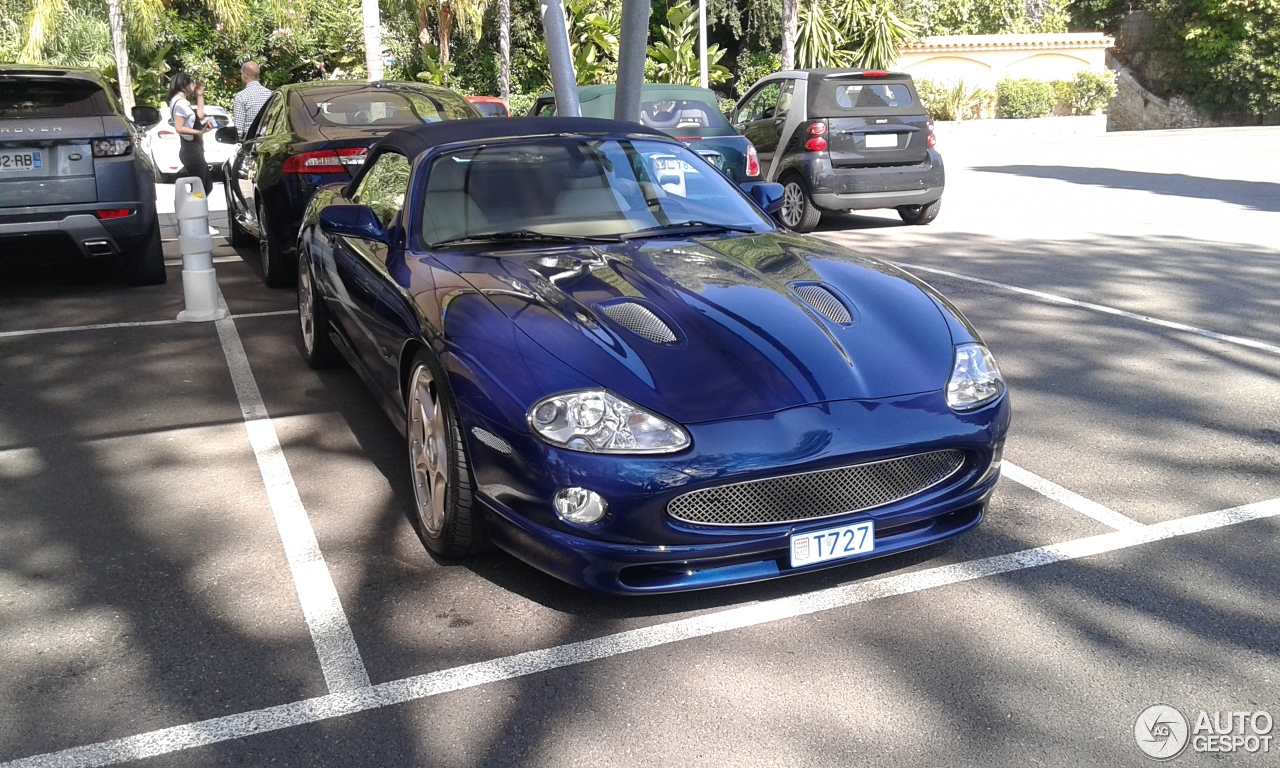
[[275, 273], [798, 212], [445, 512], [237, 236], [145, 265], [920, 214], [313, 316]]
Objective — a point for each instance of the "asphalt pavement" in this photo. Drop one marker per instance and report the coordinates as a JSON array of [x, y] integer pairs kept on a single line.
[[205, 558]]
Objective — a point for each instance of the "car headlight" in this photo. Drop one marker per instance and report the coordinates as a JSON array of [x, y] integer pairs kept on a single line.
[[112, 147], [975, 378], [595, 421]]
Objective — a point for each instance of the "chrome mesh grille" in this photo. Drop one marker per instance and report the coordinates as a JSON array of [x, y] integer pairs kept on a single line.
[[813, 495], [824, 301], [639, 320]]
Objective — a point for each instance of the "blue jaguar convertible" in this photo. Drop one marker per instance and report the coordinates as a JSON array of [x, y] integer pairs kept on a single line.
[[608, 361]]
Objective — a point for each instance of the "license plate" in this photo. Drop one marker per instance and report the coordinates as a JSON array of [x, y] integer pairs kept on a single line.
[[832, 543], [878, 140], [20, 160]]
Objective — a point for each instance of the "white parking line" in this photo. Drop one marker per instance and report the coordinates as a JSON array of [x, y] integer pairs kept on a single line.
[[340, 660], [1104, 515], [1240, 340], [221, 729], [139, 324]]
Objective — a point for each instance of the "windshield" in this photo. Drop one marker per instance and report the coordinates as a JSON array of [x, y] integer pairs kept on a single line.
[[579, 188], [379, 107]]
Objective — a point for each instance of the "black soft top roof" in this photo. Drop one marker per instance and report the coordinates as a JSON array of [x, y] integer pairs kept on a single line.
[[420, 138]]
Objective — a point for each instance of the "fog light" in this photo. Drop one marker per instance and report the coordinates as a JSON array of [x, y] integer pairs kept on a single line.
[[580, 506]]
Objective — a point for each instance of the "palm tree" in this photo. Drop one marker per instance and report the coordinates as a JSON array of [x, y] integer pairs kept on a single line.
[[138, 18], [504, 50], [450, 15], [790, 11]]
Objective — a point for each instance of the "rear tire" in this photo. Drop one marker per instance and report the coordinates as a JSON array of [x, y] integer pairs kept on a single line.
[[145, 265], [313, 316], [920, 214], [798, 213], [446, 515], [275, 273]]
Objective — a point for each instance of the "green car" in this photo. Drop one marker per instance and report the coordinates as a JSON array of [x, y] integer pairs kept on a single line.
[[688, 114]]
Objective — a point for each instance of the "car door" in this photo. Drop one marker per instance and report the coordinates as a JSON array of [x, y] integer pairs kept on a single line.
[[757, 119], [247, 163], [368, 295]]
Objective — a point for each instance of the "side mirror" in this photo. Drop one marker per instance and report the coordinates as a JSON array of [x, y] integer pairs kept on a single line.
[[146, 115], [765, 194], [227, 135], [358, 221]]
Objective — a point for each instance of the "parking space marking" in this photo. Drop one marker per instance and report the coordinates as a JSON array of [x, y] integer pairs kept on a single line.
[[1105, 515], [230, 727], [1054, 298], [138, 324], [335, 644]]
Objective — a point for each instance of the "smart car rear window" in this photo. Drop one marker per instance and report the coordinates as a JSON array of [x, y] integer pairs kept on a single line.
[[52, 97], [873, 95]]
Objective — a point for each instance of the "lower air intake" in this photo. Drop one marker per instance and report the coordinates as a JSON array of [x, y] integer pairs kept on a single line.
[[813, 495]]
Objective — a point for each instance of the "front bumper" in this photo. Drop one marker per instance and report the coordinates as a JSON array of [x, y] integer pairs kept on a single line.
[[29, 231], [639, 548]]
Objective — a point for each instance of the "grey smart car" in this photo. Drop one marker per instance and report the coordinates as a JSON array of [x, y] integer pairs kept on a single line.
[[842, 140]]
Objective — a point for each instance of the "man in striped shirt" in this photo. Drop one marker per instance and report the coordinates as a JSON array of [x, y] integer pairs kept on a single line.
[[248, 102]]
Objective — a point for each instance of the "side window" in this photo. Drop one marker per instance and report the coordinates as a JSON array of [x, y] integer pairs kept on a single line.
[[784, 98], [547, 110], [384, 187], [761, 105], [270, 111]]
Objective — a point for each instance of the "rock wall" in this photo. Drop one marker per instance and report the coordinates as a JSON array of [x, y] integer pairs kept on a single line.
[[1134, 108]]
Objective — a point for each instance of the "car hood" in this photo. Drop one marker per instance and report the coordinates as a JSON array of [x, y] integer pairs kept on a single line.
[[745, 342]]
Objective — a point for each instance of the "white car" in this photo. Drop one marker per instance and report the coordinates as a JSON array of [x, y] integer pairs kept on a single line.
[[161, 142]]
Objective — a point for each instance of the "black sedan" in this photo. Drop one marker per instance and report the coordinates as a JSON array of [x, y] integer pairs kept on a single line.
[[309, 135]]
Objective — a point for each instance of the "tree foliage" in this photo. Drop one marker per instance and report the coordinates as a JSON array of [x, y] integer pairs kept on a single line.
[[1223, 55], [673, 58], [987, 17]]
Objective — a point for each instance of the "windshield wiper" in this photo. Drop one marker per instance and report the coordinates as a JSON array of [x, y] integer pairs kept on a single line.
[[686, 227], [523, 234]]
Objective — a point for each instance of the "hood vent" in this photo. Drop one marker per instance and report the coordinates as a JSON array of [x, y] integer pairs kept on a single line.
[[639, 320], [825, 302]]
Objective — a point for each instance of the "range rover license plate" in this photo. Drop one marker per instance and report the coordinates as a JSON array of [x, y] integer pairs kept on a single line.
[[832, 543], [20, 160]]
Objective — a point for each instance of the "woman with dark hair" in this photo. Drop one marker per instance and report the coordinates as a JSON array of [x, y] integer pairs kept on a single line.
[[189, 122]]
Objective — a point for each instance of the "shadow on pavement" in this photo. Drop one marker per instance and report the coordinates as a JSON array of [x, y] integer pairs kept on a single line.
[[1257, 195]]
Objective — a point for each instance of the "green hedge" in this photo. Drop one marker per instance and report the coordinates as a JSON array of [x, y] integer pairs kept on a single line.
[[1022, 97]]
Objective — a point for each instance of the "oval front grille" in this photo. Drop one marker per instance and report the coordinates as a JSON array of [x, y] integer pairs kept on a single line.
[[640, 321], [813, 495], [824, 301]]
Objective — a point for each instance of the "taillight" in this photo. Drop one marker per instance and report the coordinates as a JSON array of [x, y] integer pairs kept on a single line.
[[166, 134], [933, 137], [753, 161], [113, 213], [325, 160], [817, 137], [875, 73]]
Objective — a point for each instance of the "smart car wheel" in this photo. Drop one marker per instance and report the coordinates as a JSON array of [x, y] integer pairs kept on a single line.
[[445, 515], [798, 213], [313, 316], [274, 273], [920, 214]]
